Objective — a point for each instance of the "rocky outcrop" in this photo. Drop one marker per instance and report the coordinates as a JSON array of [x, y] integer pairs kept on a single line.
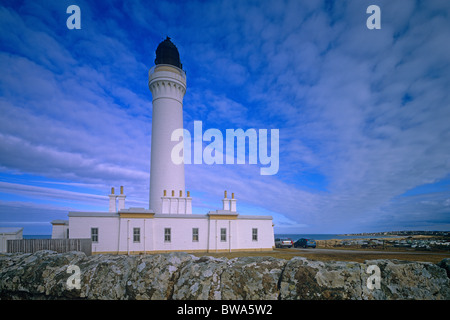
[[445, 263], [305, 279], [48, 275]]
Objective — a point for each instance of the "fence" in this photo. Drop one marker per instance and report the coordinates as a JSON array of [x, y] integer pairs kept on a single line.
[[58, 245]]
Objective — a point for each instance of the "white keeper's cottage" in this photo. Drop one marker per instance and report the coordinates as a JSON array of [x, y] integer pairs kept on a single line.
[[169, 224]]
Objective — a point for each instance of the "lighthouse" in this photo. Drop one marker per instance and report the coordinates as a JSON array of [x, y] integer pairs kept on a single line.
[[167, 83], [169, 223]]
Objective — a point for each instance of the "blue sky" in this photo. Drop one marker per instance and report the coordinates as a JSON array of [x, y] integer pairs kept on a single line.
[[363, 115]]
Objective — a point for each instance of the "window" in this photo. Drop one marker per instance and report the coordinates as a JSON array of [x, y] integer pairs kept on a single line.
[[94, 234], [255, 234], [67, 233], [195, 234], [136, 234], [223, 234], [167, 235]]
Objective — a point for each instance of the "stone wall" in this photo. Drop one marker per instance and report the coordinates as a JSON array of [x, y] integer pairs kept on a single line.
[[44, 275]]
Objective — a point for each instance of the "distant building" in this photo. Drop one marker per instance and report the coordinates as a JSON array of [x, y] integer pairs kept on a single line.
[[60, 229], [168, 224], [9, 234]]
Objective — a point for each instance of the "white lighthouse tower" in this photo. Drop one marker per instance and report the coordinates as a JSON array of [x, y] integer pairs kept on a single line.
[[167, 83], [168, 224]]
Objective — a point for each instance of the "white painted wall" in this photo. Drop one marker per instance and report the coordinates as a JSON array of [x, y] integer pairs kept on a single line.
[[108, 225], [238, 237]]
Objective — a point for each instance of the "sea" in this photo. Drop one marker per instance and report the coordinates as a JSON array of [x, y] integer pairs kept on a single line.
[[37, 236]]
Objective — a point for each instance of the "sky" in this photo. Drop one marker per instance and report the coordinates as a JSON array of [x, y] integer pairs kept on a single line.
[[363, 114]]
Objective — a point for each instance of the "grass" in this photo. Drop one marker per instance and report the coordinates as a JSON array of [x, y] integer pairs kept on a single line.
[[344, 256]]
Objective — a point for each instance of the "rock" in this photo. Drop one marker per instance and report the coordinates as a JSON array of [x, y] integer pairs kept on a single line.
[[305, 279], [106, 277], [316, 280], [44, 275], [154, 275], [252, 278], [41, 274], [445, 264], [406, 280], [199, 279]]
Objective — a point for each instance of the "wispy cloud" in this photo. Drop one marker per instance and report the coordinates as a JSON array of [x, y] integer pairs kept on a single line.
[[362, 113]]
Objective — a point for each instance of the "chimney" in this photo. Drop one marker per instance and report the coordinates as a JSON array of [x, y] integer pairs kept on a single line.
[[232, 203], [226, 202], [121, 197], [112, 201]]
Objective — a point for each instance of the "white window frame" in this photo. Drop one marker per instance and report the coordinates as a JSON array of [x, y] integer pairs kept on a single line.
[[254, 234], [136, 235], [167, 235], [195, 234], [223, 234], [94, 235]]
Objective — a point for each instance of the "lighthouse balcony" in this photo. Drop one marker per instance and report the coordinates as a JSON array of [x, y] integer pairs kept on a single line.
[[167, 70]]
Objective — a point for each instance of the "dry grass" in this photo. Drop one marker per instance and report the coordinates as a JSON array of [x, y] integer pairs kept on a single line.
[[340, 253], [344, 256], [361, 257]]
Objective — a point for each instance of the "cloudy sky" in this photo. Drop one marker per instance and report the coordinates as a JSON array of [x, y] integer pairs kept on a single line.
[[363, 115]]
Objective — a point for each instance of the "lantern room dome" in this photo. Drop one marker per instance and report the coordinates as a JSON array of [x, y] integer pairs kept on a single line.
[[167, 53]]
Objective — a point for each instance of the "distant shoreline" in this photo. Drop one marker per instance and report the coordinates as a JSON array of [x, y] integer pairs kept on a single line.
[[399, 233], [324, 236]]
